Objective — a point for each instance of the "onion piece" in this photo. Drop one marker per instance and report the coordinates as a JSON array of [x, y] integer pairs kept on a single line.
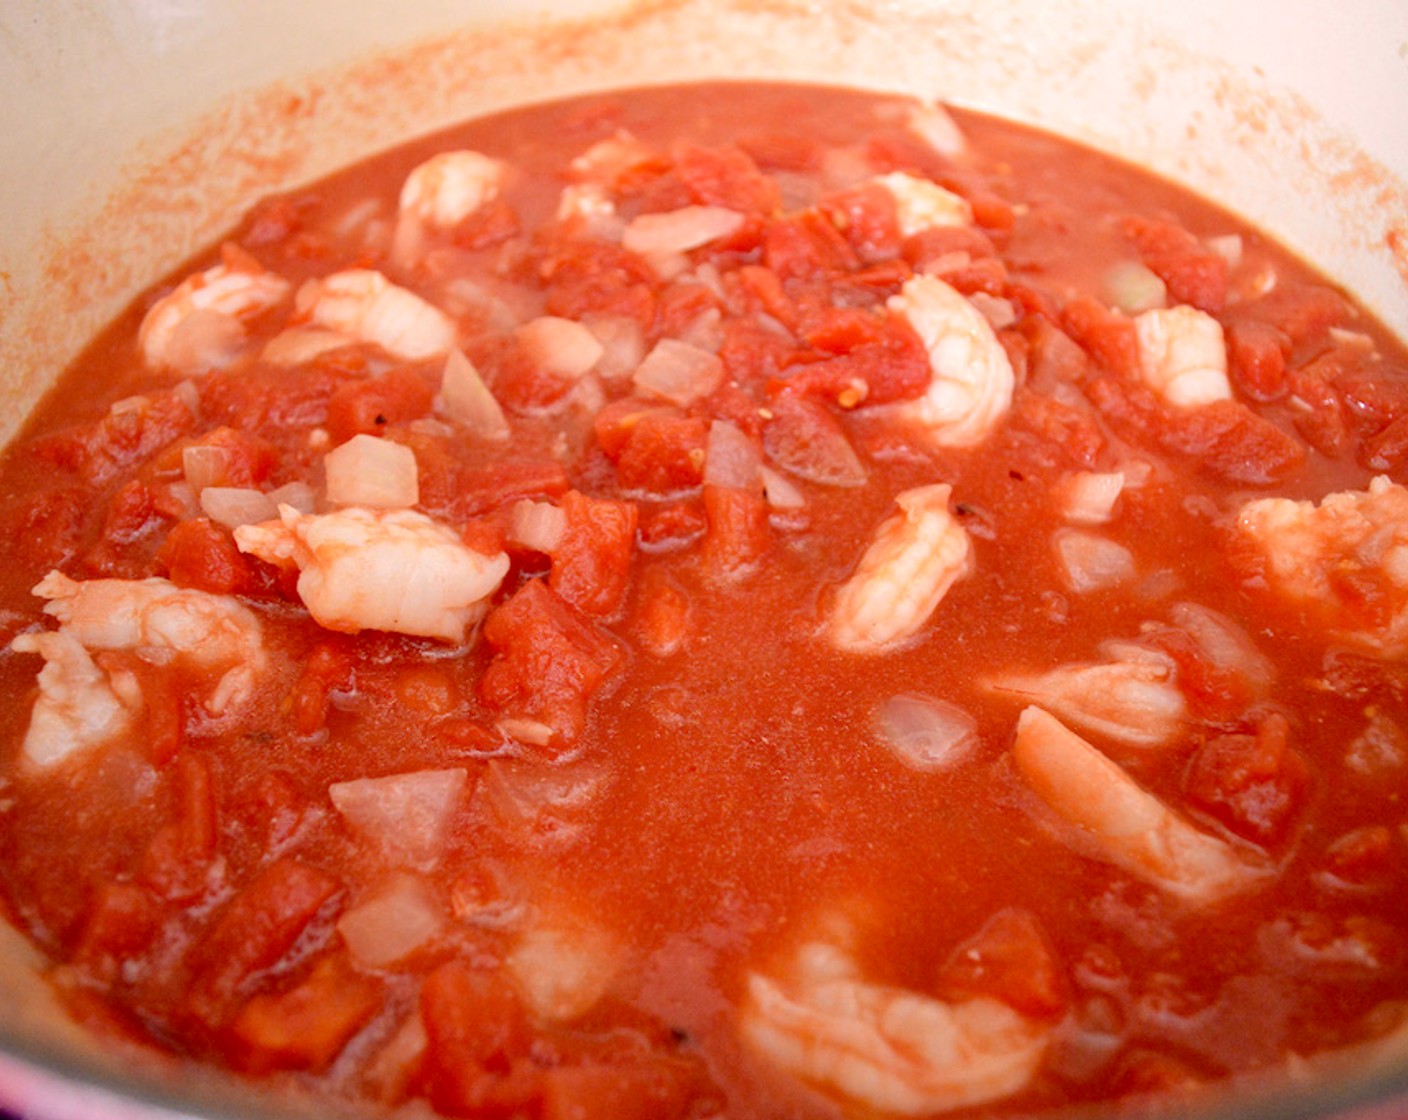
[[1225, 644], [372, 472], [677, 231], [678, 372], [779, 491], [299, 495], [1228, 246], [622, 342], [233, 506], [1134, 287], [563, 969], [406, 816], [537, 526], [931, 122], [730, 457], [464, 397], [391, 925], [206, 465], [561, 347], [924, 733], [1091, 562], [1089, 497]]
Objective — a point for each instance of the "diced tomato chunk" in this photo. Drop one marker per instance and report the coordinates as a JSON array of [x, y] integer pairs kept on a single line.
[[586, 276], [725, 176], [202, 555], [369, 407], [1301, 311], [253, 932], [177, 862], [1071, 431], [803, 437], [670, 526], [592, 565], [121, 923], [1363, 856], [869, 219], [131, 433], [680, 307], [876, 359], [1008, 959], [306, 1027], [477, 1035], [136, 516], [739, 534], [782, 151], [645, 1088], [1256, 359], [327, 668], [662, 614], [1193, 273], [806, 244], [1253, 784], [1106, 334], [549, 660], [261, 399], [664, 453]]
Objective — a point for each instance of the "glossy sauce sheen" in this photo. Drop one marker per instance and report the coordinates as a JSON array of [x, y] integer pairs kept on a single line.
[[728, 798]]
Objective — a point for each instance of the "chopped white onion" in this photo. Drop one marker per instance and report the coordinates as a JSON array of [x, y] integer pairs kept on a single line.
[[406, 816], [924, 733], [297, 346], [206, 465], [932, 123], [464, 397], [372, 472], [537, 525], [391, 925], [561, 347], [1091, 562], [779, 491], [534, 806], [622, 342], [233, 506], [1134, 287], [705, 331], [730, 457], [189, 395], [564, 969], [678, 231], [1225, 643], [997, 311], [1089, 497], [678, 372], [299, 495], [1228, 246]]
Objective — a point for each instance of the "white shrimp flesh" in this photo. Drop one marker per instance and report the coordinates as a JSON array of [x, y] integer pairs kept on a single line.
[[922, 204], [916, 555], [1182, 355], [1354, 536], [201, 325], [81, 704], [365, 306], [971, 383], [1132, 697], [366, 569], [440, 194], [888, 1049], [1119, 822]]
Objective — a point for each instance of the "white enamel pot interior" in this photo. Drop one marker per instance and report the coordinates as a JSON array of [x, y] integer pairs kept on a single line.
[[136, 131]]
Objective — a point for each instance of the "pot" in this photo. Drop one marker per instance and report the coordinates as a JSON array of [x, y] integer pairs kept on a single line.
[[137, 131]]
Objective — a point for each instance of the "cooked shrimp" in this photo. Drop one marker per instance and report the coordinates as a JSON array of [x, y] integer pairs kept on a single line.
[[1121, 823], [916, 556], [1182, 356], [1361, 534], [884, 1048], [1132, 697], [971, 386], [363, 569], [363, 304], [922, 204], [77, 708], [201, 325], [439, 194], [80, 704]]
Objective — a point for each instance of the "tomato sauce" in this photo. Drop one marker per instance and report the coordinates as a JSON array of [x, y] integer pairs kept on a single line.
[[649, 828]]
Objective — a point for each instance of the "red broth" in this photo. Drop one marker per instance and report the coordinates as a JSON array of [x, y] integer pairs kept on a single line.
[[694, 808]]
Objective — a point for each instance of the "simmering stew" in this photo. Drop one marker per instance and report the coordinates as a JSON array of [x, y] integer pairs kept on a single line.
[[743, 599]]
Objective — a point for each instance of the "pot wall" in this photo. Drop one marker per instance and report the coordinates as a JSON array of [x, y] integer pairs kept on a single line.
[[137, 130]]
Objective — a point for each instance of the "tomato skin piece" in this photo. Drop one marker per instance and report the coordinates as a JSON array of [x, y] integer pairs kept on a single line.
[[592, 565], [1256, 360], [1253, 784], [202, 555], [726, 176], [739, 534]]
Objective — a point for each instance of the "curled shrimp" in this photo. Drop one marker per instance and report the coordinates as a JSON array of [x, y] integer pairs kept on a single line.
[[884, 1048], [365, 569], [1132, 697], [364, 305], [80, 704], [915, 557], [1182, 356], [1309, 551], [439, 194], [200, 325], [970, 389], [922, 204], [1121, 823]]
